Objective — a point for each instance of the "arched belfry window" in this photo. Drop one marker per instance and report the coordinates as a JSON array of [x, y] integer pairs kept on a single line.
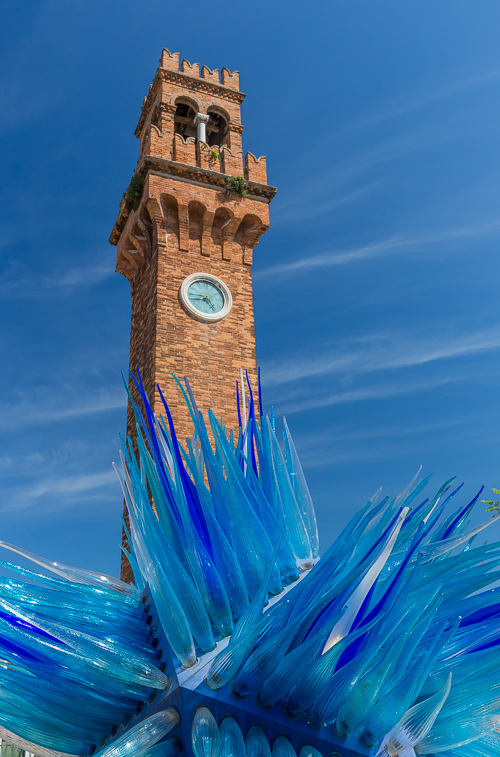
[[184, 120], [217, 129]]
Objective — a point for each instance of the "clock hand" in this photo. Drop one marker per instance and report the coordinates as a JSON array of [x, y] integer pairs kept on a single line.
[[209, 300]]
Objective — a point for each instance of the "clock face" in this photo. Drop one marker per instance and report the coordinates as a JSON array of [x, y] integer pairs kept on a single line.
[[205, 297]]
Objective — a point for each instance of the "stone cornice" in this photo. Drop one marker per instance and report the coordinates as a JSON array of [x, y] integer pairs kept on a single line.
[[149, 163], [191, 82]]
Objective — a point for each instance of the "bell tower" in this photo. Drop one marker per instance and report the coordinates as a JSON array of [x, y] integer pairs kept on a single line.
[[185, 234]]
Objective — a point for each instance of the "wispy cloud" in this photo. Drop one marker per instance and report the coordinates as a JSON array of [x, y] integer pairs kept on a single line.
[[381, 352], [59, 492], [59, 404], [34, 287], [349, 165], [433, 94], [393, 245], [385, 391], [311, 202], [345, 434], [80, 277]]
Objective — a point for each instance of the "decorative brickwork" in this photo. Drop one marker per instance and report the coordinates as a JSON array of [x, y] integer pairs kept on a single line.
[[190, 221]]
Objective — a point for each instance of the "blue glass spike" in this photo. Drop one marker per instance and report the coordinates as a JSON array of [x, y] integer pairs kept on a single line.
[[416, 513], [462, 516], [28, 746], [261, 411], [328, 692], [256, 744], [53, 717], [167, 748], [261, 663], [360, 701], [190, 492], [136, 571], [205, 737], [442, 527], [184, 588], [192, 398], [360, 591], [149, 432], [289, 672], [301, 489], [224, 555], [240, 424], [251, 408], [13, 620], [253, 424], [252, 421], [481, 615], [431, 551], [124, 664], [309, 751], [187, 400], [286, 558], [296, 529], [227, 663], [161, 473], [142, 736], [76, 575], [93, 668], [433, 520], [242, 448], [390, 707], [253, 613], [231, 739], [46, 739], [417, 722], [172, 616], [247, 528], [283, 748], [395, 583], [201, 563]]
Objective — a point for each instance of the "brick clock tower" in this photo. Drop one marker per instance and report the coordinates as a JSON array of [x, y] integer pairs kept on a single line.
[[185, 241], [186, 245]]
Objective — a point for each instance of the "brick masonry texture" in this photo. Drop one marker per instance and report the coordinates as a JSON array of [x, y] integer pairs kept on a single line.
[[183, 226]]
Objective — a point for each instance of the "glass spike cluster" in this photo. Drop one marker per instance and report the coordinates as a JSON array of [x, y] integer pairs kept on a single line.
[[235, 639]]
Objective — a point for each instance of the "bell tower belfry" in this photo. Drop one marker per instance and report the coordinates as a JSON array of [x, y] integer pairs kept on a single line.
[[185, 235]]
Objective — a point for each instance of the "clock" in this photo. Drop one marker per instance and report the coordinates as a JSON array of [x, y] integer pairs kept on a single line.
[[206, 297]]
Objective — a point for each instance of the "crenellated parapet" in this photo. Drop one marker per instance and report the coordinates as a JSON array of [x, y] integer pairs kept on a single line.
[[188, 106], [217, 225], [256, 168]]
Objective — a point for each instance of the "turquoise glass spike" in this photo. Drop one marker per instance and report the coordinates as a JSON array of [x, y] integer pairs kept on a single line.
[[205, 737], [283, 748], [256, 743], [142, 736], [231, 739], [417, 722], [309, 751]]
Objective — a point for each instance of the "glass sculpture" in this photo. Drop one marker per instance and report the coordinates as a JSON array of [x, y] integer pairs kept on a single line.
[[236, 639]]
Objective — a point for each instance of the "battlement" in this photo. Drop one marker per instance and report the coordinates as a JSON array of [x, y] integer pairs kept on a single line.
[[170, 62], [192, 116]]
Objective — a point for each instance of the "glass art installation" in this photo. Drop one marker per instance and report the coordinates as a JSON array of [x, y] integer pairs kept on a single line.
[[236, 639]]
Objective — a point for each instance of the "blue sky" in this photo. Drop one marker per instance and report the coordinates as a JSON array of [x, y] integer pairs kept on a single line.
[[376, 288]]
